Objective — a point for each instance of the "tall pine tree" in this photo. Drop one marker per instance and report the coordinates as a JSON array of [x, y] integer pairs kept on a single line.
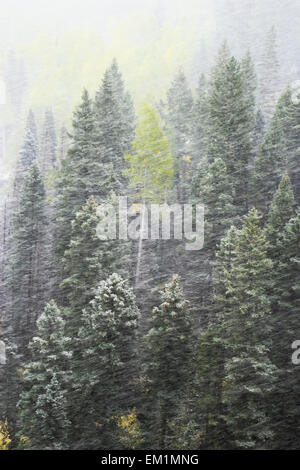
[[246, 330], [43, 405], [168, 349], [108, 374]]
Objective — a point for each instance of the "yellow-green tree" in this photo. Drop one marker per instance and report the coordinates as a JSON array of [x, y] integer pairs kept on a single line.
[[151, 170], [4, 436]]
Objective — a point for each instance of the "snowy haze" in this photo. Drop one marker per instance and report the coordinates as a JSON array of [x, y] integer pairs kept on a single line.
[[51, 50], [23, 20]]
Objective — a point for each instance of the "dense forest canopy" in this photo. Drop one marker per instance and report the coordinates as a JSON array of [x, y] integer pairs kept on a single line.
[[117, 342]]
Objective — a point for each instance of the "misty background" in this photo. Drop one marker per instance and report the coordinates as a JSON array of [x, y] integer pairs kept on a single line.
[[51, 50]]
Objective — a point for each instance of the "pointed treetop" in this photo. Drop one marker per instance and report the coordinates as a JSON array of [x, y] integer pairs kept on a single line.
[[30, 124], [282, 208]]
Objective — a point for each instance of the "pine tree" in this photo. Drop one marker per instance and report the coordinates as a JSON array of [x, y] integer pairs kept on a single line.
[[109, 364], [259, 129], [167, 361], [268, 73], [27, 280], [272, 159], [79, 178], [200, 118], [28, 266], [88, 260], [43, 405], [82, 260], [231, 124], [115, 124], [48, 144], [179, 118], [23, 264], [28, 153], [222, 180], [248, 70], [250, 83], [281, 211], [284, 322], [48, 166], [207, 405], [27, 156], [214, 190], [206, 397], [293, 162], [31, 125], [63, 145], [244, 307], [286, 329]]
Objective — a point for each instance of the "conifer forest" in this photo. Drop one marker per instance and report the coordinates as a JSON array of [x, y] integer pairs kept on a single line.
[[150, 225]]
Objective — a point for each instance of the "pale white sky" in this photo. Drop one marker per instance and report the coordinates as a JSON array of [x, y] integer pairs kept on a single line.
[[22, 20]]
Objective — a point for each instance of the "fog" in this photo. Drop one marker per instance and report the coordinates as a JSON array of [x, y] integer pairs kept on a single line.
[[50, 51]]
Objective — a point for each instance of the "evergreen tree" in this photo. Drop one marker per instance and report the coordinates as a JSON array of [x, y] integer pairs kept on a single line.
[[167, 361], [109, 365], [85, 172], [31, 125], [268, 72], [63, 146], [115, 124], [250, 83], [199, 125], [272, 159], [284, 322], [214, 190], [82, 261], [28, 153], [286, 329], [231, 124], [259, 129], [293, 163], [48, 165], [80, 177], [23, 264], [207, 404], [89, 260], [244, 309], [43, 405], [48, 144], [27, 156], [180, 118], [222, 180], [209, 429], [281, 211], [28, 266], [248, 70]]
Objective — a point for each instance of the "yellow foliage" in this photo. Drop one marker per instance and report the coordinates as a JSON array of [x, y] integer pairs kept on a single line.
[[4, 435], [24, 439], [130, 430]]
